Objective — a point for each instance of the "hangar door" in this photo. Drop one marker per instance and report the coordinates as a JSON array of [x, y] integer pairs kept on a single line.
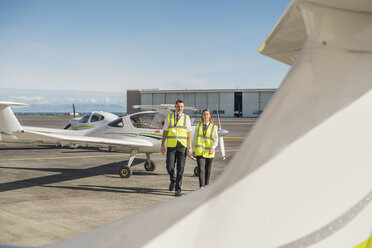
[[238, 104]]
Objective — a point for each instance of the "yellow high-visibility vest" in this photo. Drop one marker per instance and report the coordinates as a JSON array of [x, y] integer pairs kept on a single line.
[[177, 131], [204, 140]]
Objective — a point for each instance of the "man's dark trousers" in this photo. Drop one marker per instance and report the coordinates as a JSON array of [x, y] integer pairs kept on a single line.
[[176, 154]]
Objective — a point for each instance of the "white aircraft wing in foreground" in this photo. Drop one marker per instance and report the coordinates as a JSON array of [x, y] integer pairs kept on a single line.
[[303, 176]]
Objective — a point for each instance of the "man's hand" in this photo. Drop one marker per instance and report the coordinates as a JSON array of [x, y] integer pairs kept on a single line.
[[163, 139], [211, 151], [193, 154]]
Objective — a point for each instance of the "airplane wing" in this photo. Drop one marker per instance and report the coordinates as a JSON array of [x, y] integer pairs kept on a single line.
[[81, 140]]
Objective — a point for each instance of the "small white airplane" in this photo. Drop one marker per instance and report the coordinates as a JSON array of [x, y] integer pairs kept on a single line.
[[91, 120], [136, 133]]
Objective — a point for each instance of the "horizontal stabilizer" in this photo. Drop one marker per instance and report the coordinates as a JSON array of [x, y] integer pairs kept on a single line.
[[7, 104]]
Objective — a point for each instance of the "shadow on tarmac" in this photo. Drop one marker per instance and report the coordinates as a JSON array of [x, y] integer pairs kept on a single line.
[[126, 190], [46, 147], [6, 148], [66, 174]]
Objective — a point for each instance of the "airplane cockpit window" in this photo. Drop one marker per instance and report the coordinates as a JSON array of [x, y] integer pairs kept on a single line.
[[85, 118], [148, 120], [117, 123], [96, 117]]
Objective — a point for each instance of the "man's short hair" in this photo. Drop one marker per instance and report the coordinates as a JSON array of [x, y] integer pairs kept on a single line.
[[180, 101]]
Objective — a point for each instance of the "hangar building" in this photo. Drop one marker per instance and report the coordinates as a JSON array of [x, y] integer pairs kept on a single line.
[[229, 102]]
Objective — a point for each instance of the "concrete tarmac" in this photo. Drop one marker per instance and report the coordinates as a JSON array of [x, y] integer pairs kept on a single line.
[[49, 194]]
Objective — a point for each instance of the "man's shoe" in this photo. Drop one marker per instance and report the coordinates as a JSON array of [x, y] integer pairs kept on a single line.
[[171, 186], [178, 193]]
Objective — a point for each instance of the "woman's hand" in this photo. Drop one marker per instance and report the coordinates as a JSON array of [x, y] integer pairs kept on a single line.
[[193, 154]]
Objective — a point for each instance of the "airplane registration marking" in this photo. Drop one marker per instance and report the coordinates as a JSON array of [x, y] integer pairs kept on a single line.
[[92, 156]]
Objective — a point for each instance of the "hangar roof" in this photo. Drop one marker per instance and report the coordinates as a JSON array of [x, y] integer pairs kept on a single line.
[[201, 90]]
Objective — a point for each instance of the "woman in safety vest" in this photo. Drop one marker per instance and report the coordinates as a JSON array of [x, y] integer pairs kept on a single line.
[[204, 145]]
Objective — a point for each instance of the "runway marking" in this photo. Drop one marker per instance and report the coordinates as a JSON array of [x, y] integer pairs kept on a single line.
[[92, 156]]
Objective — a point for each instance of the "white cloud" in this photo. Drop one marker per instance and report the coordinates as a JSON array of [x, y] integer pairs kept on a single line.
[[27, 98], [30, 99]]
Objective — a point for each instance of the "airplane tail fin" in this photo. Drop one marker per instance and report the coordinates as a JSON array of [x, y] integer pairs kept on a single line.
[[8, 121]]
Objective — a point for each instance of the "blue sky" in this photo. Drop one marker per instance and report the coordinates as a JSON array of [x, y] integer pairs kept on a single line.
[[111, 46]]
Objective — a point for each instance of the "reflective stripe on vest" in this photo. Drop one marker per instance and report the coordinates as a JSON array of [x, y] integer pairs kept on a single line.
[[204, 143], [177, 131]]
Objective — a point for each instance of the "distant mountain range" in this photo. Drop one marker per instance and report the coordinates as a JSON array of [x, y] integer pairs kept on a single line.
[[62, 100]]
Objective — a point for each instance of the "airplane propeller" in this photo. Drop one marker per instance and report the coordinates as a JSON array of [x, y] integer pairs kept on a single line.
[[73, 109], [74, 113]]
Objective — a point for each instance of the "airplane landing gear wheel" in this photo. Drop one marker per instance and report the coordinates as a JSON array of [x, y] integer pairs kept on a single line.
[[196, 171], [125, 171], [150, 166]]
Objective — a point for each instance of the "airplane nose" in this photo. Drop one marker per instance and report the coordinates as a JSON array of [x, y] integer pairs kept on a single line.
[[222, 132]]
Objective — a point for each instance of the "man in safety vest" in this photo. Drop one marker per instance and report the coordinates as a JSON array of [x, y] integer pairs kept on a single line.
[[177, 133]]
